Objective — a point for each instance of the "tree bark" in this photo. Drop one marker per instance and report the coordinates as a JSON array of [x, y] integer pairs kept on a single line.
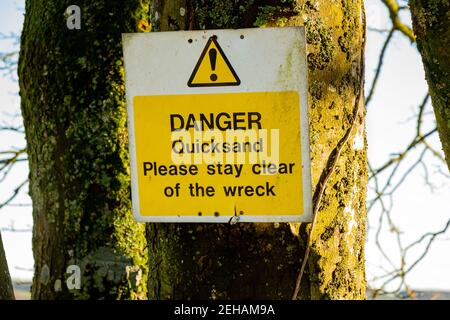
[[261, 261], [72, 100], [6, 288], [431, 23]]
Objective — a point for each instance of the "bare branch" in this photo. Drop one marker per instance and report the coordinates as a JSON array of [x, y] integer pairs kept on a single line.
[[394, 8], [15, 230], [14, 194], [400, 156], [13, 129], [429, 234], [380, 64]]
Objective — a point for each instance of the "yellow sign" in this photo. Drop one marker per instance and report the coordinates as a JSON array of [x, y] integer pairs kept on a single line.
[[213, 68], [219, 155]]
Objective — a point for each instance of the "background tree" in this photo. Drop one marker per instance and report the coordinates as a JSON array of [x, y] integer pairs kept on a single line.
[[431, 21], [72, 101], [263, 260], [6, 289]]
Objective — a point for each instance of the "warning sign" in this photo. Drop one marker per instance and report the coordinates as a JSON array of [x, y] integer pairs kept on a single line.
[[209, 146], [213, 68], [219, 153]]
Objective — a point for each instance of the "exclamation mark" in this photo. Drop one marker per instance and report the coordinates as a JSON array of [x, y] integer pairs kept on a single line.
[[212, 60]]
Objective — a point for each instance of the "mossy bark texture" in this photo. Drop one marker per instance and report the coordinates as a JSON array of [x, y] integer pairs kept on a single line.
[[72, 93], [431, 22], [261, 261], [6, 289]]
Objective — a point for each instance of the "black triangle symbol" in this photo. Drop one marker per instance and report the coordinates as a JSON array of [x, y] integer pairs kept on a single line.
[[237, 81]]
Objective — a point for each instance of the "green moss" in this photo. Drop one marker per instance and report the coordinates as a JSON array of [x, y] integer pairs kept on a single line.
[[319, 36], [75, 120], [219, 260], [276, 15], [349, 23], [431, 26], [211, 14]]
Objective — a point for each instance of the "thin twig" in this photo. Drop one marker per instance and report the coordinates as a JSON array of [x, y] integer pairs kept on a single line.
[[14, 194], [379, 66]]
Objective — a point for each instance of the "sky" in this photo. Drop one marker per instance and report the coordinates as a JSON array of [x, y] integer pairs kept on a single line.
[[390, 127], [17, 244]]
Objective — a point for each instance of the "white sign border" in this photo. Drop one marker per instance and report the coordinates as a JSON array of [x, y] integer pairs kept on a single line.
[[133, 52]]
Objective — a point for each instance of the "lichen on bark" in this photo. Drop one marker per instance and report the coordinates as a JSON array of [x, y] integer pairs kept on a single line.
[[431, 23], [72, 100]]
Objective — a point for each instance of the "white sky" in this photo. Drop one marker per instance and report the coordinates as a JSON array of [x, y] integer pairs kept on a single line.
[[417, 210], [400, 89]]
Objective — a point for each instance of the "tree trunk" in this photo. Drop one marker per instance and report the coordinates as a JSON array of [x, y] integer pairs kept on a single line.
[[431, 22], [72, 91], [6, 289], [261, 261]]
